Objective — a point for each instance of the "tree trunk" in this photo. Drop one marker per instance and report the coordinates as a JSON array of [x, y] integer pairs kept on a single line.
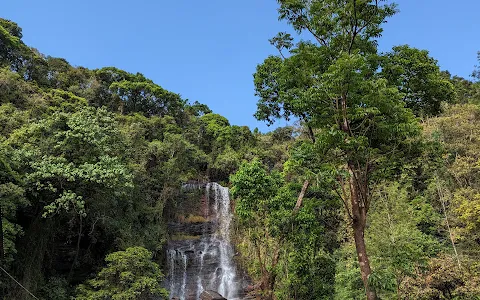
[[363, 259], [268, 286], [267, 282], [311, 134], [358, 183], [39, 233], [359, 214]]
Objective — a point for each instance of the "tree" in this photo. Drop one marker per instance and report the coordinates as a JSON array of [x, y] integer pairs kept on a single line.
[[255, 191], [144, 96], [15, 55], [71, 166], [127, 93], [466, 91], [476, 71], [458, 187], [292, 247], [11, 47], [443, 279], [332, 83], [418, 77], [198, 109], [129, 275], [14, 90], [12, 195], [399, 248]]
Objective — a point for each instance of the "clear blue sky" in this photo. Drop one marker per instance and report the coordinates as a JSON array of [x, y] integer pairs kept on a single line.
[[208, 50]]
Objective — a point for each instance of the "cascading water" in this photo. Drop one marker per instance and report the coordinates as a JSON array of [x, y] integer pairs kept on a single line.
[[204, 261]]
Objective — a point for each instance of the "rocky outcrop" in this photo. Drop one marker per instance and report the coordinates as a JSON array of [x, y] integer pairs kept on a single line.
[[192, 228], [211, 295], [200, 256]]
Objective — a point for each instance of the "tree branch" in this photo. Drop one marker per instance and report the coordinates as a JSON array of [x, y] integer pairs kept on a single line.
[[344, 198], [300, 197]]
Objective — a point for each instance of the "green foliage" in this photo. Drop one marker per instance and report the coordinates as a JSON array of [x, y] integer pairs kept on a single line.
[[254, 188], [348, 285], [226, 162], [12, 28], [10, 120], [12, 195], [311, 86], [12, 46], [147, 97], [307, 267], [92, 161], [398, 247], [283, 94], [476, 72], [444, 279], [199, 109], [257, 208], [14, 90], [64, 101], [177, 159], [461, 188], [78, 155], [56, 288], [466, 91], [360, 130], [132, 93], [129, 275], [418, 77], [293, 251]]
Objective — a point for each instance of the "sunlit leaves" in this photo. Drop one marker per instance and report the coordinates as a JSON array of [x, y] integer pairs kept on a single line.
[[254, 188], [80, 152], [129, 275], [418, 77]]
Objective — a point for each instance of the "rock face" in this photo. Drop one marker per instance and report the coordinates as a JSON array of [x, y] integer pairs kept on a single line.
[[200, 255], [211, 295]]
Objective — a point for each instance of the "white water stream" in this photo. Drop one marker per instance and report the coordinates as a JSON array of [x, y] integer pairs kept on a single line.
[[206, 263]]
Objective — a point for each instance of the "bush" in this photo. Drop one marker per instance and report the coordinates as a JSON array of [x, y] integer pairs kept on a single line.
[[129, 275]]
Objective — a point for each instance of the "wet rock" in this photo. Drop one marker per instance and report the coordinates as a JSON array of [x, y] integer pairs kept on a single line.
[[192, 228], [211, 295], [199, 253]]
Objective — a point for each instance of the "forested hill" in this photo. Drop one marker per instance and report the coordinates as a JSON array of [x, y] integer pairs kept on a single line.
[[90, 158], [374, 193]]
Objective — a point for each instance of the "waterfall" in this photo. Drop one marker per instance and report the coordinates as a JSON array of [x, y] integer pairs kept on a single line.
[[205, 262], [222, 235]]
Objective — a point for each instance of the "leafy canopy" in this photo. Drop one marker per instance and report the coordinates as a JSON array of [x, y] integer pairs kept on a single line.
[[129, 275]]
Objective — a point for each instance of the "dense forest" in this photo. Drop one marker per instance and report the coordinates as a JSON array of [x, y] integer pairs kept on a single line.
[[374, 193]]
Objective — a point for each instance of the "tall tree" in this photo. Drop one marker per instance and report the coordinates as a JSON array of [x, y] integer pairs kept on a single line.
[[333, 84], [11, 46]]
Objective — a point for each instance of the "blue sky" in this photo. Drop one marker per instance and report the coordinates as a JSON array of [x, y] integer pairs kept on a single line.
[[208, 50]]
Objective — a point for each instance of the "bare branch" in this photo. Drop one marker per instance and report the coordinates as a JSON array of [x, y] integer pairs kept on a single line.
[[300, 197]]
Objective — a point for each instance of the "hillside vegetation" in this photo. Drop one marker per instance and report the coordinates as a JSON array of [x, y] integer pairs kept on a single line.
[[375, 193]]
